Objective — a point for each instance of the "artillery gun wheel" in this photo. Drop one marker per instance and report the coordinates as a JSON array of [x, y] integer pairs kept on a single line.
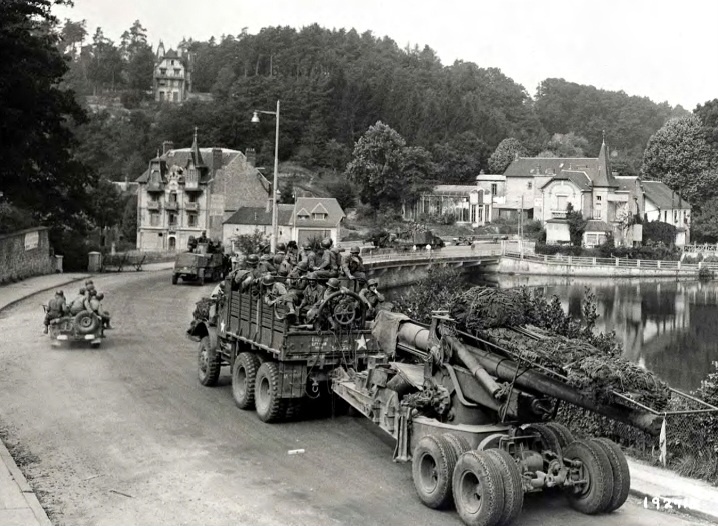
[[548, 439], [594, 495], [565, 437], [267, 400], [459, 443], [209, 363], [621, 473], [478, 489], [244, 375], [432, 467], [513, 489]]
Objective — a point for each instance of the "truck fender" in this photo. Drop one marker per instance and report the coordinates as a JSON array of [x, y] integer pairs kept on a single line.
[[203, 329]]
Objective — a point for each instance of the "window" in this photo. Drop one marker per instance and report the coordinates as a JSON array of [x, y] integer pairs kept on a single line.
[[530, 185], [561, 202], [173, 220], [319, 216], [173, 197], [494, 188], [162, 95], [172, 62], [175, 96], [598, 198], [192, 197], [177, 72], [191, 220], [665, 217], [163, 71], [154, 219]]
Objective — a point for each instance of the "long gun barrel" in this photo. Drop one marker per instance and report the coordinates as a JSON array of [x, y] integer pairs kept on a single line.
[[485, 364]]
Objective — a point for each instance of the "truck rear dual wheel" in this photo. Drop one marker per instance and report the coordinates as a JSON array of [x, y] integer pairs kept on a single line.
[[548, 438], [244, 375], [621, 473], [565, 437], [595, 493], [432, 466], [267, 398], [513, 488], [478, 489]]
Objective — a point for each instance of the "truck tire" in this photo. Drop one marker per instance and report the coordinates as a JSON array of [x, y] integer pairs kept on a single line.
[[621, 473], [86, 322], [209, 363], [548, 439], [595, 495], [174, 279], [459, 443], [267, 398], [565, 437], [432, 466], [244, 374], [513, 489], [478, 489]]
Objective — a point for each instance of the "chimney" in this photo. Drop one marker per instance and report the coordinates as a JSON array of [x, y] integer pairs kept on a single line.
[[167, 146], [216, 159], [251, 155]]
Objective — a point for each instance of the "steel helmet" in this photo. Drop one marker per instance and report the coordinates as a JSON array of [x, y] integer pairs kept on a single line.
[[312, 276], [82, 290], [267, 279], [372, 282], [327, 242], [252, 260], [306, 246], [303, 266], [333, 283], [266, 257], [354, 250], [281, 247], [100, 296], [59, 293]]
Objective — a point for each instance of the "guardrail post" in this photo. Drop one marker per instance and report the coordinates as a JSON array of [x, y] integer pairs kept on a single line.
[[617, 262], [638, 263], [570, 258], [545, 258], [658, 263], [679, 265], [700, 265], [594, 262]]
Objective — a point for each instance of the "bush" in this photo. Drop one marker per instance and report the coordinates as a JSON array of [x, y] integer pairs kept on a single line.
[[659, 232], [564, 250], [692, 258], [710, 259]]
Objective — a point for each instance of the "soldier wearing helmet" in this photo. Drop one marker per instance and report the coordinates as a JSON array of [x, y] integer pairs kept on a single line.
[[56, 308], [279, 255], [245, 278], [77, 305], [312, 294], [372, 297], [328, 266], [96, 304], [266, 264], [308, 255], [353, 266]]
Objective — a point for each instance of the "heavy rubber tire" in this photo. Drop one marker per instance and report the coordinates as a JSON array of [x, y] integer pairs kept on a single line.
[[621, 473], [595, 496], [565, 437], [244, 374], [432, 467], [86, 322], [513, 489], [267, 401], [209, 363], [459, 443], [174, 279], [478, 489], [548, 437]]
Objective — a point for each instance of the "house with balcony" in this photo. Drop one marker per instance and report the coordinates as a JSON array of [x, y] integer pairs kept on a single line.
[[190, 190], [172, 75]]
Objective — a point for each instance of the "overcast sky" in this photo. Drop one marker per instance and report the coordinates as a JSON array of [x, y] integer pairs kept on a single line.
[[667, 51]]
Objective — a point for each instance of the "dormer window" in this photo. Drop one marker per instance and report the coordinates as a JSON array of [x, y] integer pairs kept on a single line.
[[163, 71], [303, 217], [319, 216]]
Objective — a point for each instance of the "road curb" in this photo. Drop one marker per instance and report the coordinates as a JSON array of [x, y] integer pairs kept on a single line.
[[27, 492], [713, 519], [40, 291]]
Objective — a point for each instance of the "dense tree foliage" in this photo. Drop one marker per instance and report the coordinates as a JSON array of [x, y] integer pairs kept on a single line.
[[708, 114], [659, 232], [504, 154]]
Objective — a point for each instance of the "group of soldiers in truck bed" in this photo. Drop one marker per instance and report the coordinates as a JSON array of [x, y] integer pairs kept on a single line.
[[300, 280]]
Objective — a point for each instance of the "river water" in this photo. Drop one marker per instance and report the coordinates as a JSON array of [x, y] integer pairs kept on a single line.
[[668, 326]]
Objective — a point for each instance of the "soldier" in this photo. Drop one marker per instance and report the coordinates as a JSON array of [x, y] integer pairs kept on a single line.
[[77, 305], [266, 265], [56, 307], [372, 297], [89, 285], [353, 266], [277, 292], [293, 252], [312, 295], [96, 305], [308, 255], [286, 266], [280, 254], [296, 276], [203, 237], [244, 278], [327, 267]]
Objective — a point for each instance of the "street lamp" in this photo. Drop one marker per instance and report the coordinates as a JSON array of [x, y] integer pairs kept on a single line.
[[275, 226]]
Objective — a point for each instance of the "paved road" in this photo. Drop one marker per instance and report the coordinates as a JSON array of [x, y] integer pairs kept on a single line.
[[126, 435]]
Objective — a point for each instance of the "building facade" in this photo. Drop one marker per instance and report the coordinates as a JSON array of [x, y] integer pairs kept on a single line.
[[172, 77], [190, 190]]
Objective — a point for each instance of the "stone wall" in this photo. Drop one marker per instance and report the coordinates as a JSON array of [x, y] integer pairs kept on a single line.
[[25, 253]]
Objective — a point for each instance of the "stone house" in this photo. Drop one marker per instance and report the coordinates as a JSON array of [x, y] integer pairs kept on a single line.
[[172, 76], [189, 190], [307, 218]]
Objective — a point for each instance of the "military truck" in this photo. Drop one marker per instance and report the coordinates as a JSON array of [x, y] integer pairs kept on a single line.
[[200, 264]]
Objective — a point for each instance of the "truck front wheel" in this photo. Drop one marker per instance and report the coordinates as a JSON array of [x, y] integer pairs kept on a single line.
[[267, 398], [210, 363]]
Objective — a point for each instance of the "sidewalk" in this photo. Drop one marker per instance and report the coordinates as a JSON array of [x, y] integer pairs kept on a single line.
[[695, 497]]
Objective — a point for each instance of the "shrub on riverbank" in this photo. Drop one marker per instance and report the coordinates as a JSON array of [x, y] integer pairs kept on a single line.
[[648, 252]]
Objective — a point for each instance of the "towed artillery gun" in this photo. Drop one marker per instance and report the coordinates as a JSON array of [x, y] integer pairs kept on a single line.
[[474, 419]]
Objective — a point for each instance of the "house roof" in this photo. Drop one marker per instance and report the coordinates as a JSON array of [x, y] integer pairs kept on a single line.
[[490, 177], [454, 189], [180, 156], [594, 225], [663, 197], [258, 215], [597, 169], [310, 205], [579, 178]]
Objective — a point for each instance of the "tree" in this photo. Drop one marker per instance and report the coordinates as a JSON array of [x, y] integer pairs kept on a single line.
[[106, 206], [286, 194], [343, 192], [129, 220], [38, 172], [376, 165], [505, 153], [567, 145], [461, 158], [678, 154], [659, 232], [708, 114], [576, 225]]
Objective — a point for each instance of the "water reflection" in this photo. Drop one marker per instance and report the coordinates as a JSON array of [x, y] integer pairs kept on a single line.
[[668, 326]]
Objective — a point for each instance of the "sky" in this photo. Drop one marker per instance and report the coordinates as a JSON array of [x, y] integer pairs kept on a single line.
[[666, 51]]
